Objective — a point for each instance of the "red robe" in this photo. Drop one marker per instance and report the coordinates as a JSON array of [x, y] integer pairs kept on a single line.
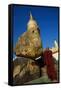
[[48, 60]]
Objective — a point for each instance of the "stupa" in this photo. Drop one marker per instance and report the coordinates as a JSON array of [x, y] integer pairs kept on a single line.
[[29, 43]]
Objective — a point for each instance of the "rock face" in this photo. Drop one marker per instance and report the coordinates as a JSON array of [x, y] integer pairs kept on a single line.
[[24, 70], [29, 43], [27, 70]]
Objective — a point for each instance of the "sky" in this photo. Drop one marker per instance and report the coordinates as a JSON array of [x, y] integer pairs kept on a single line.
[[46, 18]]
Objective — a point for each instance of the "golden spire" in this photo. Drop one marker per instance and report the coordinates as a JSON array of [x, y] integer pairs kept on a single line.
[[31, 18], [31, 23], [55, 44]]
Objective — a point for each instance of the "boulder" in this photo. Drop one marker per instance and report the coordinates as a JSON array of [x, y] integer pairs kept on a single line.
[[24, 70], [29, 43]]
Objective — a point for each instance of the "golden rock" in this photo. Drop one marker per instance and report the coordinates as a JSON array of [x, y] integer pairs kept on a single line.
[[29, 44]]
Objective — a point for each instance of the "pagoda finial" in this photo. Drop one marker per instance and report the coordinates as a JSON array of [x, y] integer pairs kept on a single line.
[[55, 43], [31, 16]]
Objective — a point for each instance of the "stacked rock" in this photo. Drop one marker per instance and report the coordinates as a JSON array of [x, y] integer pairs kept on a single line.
[[29, 43]]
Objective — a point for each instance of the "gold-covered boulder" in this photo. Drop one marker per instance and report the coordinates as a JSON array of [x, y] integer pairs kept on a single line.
[[29, 43]]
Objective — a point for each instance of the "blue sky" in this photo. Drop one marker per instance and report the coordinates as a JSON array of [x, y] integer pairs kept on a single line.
[[46, 18]]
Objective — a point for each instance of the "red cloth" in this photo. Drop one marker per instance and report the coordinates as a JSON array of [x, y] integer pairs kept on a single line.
[[48, 60]]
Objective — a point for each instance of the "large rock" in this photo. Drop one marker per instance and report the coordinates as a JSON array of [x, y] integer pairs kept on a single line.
[[27, 70], [29, 43], [24, 70]]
